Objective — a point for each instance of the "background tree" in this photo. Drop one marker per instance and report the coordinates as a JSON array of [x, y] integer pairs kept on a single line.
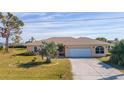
[[9, 25], [101, 39], [16, 38], [48, 50], [117, 56], [116, 39], [32, 39]]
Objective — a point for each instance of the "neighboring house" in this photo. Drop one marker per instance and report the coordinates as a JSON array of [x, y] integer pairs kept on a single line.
[[75, 47]]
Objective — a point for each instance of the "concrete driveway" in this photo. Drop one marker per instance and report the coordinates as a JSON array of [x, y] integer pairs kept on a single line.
[[93, 69]]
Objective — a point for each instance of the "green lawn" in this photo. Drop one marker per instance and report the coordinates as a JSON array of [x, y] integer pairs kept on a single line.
[[106, 60], [19, 67]]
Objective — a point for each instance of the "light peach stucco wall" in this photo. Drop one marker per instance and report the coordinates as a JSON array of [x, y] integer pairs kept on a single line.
[[31, 48]]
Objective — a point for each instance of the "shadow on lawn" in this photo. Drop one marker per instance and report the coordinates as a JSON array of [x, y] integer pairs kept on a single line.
[[24, 54], [31, 64]]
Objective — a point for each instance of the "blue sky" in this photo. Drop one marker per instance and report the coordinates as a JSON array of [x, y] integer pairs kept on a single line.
[[109, 28]]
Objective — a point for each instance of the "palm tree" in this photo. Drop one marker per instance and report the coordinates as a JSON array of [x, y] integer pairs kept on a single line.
[[117, 56], [48, 50]]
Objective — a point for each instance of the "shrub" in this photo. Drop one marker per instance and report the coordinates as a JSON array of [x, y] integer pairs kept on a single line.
[[117, 56], [29, 53]]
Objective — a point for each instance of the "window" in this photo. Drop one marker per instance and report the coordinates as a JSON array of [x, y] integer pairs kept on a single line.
[[99, 50]]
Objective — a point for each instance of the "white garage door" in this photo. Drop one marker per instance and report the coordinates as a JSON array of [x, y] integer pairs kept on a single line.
[[79, 52]]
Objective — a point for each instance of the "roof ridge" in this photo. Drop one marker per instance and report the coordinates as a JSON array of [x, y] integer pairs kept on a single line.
[[61, 37], [71, 40]]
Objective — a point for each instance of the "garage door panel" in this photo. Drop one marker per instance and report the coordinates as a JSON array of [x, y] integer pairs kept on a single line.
[[79, 52]]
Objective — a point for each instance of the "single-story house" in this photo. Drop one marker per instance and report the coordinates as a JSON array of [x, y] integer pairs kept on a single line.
[[75, 47]]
